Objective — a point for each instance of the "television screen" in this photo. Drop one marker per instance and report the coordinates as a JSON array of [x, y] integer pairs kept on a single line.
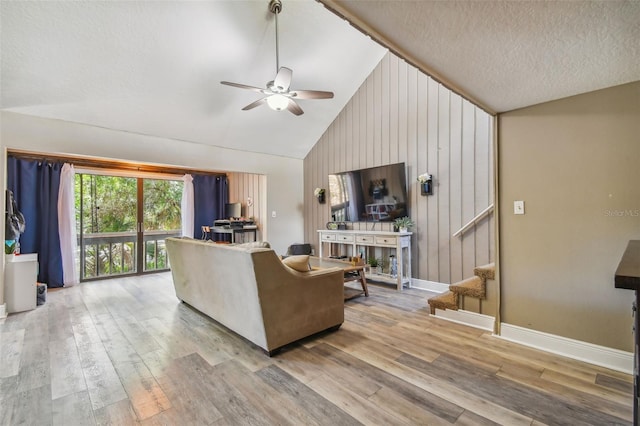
[[376, 194]]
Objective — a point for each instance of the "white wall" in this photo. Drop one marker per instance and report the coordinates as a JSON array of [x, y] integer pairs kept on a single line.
[[284, 176]]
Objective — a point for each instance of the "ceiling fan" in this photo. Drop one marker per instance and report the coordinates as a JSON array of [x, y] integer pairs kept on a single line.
[[279, 96]]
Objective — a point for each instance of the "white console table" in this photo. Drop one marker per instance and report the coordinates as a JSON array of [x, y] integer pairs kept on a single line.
[[400, 241]]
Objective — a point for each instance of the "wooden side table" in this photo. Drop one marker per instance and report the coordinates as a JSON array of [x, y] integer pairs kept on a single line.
[[353, 271]]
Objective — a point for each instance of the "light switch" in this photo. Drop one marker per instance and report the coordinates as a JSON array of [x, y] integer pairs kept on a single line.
[[518, 207], [273, 213]]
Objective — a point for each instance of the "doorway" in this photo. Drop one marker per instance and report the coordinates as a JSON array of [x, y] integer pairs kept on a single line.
[[123, 222]]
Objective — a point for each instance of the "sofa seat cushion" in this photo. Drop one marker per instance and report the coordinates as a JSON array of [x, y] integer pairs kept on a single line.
[[300, 262]]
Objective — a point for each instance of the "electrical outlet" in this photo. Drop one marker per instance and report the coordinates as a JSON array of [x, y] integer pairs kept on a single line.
[[518, 207]]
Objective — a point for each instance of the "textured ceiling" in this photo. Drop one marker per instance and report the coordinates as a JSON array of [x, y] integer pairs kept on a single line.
[[511, 54], [155, 67]]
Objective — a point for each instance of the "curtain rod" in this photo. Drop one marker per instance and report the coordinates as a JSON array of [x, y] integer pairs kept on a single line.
[[107, 164]]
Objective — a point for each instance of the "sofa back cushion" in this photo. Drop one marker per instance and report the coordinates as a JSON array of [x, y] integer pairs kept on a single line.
[[255, 244]]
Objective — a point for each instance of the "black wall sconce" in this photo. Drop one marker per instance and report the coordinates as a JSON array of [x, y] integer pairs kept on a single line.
[[426, 184], [426, 188], [319, 194]]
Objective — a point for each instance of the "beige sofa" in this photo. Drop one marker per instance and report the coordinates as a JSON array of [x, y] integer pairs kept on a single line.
[[250, 291]]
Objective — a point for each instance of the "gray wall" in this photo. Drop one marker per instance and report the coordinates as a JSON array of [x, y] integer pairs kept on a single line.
[[401, 115], [575, 163]]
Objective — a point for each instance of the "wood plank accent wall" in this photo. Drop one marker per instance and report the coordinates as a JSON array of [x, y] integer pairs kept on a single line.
[[243, 186], [400, 114]]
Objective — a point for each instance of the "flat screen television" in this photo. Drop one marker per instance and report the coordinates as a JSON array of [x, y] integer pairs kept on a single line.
[[375, 194]]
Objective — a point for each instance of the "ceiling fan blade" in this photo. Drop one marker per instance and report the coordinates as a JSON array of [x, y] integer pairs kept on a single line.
[[283, 79], [255, 104], [311, 94], [242, 86], [294, 107]]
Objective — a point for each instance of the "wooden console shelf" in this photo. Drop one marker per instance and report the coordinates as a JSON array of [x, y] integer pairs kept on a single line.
[[398, 241]]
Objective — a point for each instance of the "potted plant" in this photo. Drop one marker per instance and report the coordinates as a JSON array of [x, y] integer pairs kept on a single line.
[[375, 264], [10, 248], [404, 223]]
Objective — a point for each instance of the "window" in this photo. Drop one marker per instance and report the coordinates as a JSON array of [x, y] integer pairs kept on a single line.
[[123, 223]]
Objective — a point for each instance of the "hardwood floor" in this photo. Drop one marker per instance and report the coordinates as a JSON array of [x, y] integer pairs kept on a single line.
[[126, 351]]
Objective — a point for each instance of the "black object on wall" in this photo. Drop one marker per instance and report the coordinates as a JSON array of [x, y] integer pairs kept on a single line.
[[14, 220]]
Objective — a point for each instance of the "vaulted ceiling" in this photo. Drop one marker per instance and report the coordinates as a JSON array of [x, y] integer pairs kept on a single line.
[[155, 67]]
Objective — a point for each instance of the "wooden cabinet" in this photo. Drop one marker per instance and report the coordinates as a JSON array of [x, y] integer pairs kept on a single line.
[[397, 243]]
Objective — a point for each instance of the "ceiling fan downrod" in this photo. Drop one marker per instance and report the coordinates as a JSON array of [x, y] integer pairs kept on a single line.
[[278, 94], [275, 6]]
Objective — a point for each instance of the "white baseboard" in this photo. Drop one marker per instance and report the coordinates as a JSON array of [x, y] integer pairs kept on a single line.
[[472, 319], [3, 311], [583, 351], [433, 286]]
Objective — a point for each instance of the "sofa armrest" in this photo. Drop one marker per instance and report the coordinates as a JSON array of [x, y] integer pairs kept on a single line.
[[297, 304], [314, 272]]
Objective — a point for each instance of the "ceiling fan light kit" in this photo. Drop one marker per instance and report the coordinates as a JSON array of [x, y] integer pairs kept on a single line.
[[278, 94], [278, 102]]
